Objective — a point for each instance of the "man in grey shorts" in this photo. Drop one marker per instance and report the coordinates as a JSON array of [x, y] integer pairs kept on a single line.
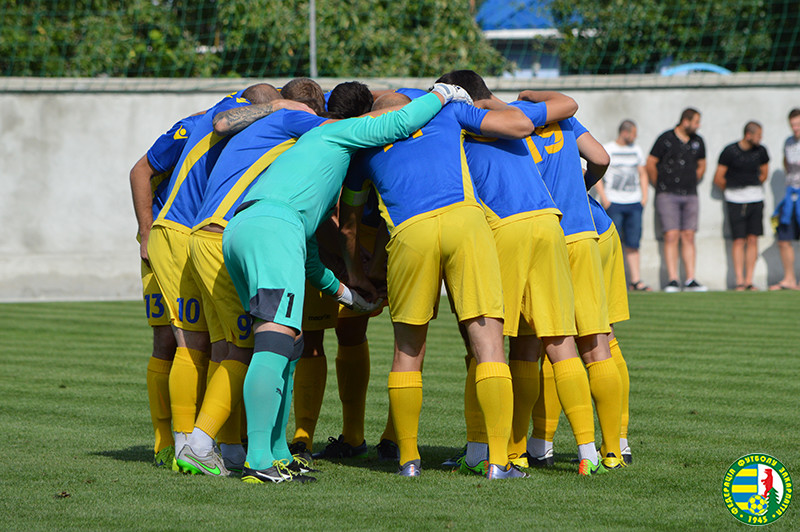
[[675, 165]]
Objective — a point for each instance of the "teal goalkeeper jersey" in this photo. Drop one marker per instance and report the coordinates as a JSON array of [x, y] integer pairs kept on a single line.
[[559, 161], [309, 177]]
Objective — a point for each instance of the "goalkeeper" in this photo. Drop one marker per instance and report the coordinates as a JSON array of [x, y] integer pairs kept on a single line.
[[269, 250]]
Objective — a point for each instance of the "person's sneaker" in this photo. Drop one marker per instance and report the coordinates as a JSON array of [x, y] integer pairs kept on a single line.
[[612, 462], [233, 467], [520, 461], [496, 472], [301, 465], [546, 460], [672, 286], [337, 448], [626, 456], [164, 457], [453, 461], [478, 469], [208, 464], [388, 451], [693, 286], [586, 468], [279, 472], [409, 469], [299, 450]]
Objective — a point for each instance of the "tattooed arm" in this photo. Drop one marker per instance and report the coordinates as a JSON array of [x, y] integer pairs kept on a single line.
[[234, 120]]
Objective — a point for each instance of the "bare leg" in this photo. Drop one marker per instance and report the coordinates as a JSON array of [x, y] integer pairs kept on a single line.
[[737, 255], [671, 239], [688, 252], [751, 256]]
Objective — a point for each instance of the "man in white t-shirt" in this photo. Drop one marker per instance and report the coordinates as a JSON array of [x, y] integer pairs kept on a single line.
[[623, 193]]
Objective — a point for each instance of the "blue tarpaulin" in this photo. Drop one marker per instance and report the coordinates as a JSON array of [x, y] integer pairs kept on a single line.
[[514, 14]]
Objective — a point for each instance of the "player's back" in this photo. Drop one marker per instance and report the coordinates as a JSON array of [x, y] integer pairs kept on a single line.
[[245, 157], [561, 170], [426, 172], [189, 178], [164, 155], [506, 178]]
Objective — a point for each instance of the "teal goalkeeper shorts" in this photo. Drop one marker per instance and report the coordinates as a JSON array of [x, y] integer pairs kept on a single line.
[[265, 252]]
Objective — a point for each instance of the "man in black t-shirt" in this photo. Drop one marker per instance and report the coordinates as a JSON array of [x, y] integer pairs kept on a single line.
[[675, 165], [741, 171]]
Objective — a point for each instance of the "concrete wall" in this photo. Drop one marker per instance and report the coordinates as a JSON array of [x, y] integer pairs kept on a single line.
[[66, 152]]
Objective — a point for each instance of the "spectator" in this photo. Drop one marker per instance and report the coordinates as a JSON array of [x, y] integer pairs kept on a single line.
[[787, 214], [623, 193], [741, 171], [676, 164]]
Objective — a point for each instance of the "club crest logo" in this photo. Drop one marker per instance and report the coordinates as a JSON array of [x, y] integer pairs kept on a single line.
[[757, 489]]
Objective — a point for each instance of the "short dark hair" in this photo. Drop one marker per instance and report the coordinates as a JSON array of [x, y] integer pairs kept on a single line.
[[794, 112], [751, 127], [688, 114], [470, 81], [306, 91], [349, 99], [626, 125], [261, 93]]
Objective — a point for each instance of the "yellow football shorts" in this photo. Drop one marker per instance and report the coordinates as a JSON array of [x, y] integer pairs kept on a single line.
[[591, 307], [456, 245], [155, 306], [614, 275], [537, 283], [169, 257], [320, 311], [225, 316]]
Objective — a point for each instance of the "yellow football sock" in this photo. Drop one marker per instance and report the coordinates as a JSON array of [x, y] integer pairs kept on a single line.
[[622, 367], [496, 399], [606, 390], [352, 374], [212, 368], [547, 408], [187, 384], [405, 403], [476, 427], [388, 430], [525, 382], [310, 377], [224, 392], [572, 386], [158, 395]]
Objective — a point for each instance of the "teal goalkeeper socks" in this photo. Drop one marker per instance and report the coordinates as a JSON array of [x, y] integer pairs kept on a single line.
[[280, 447], [264, 388]]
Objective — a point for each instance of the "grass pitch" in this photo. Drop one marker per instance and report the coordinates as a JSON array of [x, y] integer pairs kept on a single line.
[[714, 376]]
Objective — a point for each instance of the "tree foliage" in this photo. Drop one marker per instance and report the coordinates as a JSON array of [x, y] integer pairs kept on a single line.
[[252, 38], [622, 36]]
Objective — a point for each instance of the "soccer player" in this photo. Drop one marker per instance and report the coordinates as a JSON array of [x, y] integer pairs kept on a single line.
[[559, 154], [149, 178], [269, 250], [244, 158], [168, 251], [438, 230], [617, 297], [537, 283]]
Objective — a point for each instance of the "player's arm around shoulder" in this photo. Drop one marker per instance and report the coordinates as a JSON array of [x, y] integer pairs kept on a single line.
[[559, 106]]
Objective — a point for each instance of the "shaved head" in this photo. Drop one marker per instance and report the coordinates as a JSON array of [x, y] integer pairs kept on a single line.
[[261, 93], [390, 99]]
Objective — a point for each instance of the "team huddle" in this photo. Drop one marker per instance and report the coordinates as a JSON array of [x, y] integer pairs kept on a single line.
[[277, 214]]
